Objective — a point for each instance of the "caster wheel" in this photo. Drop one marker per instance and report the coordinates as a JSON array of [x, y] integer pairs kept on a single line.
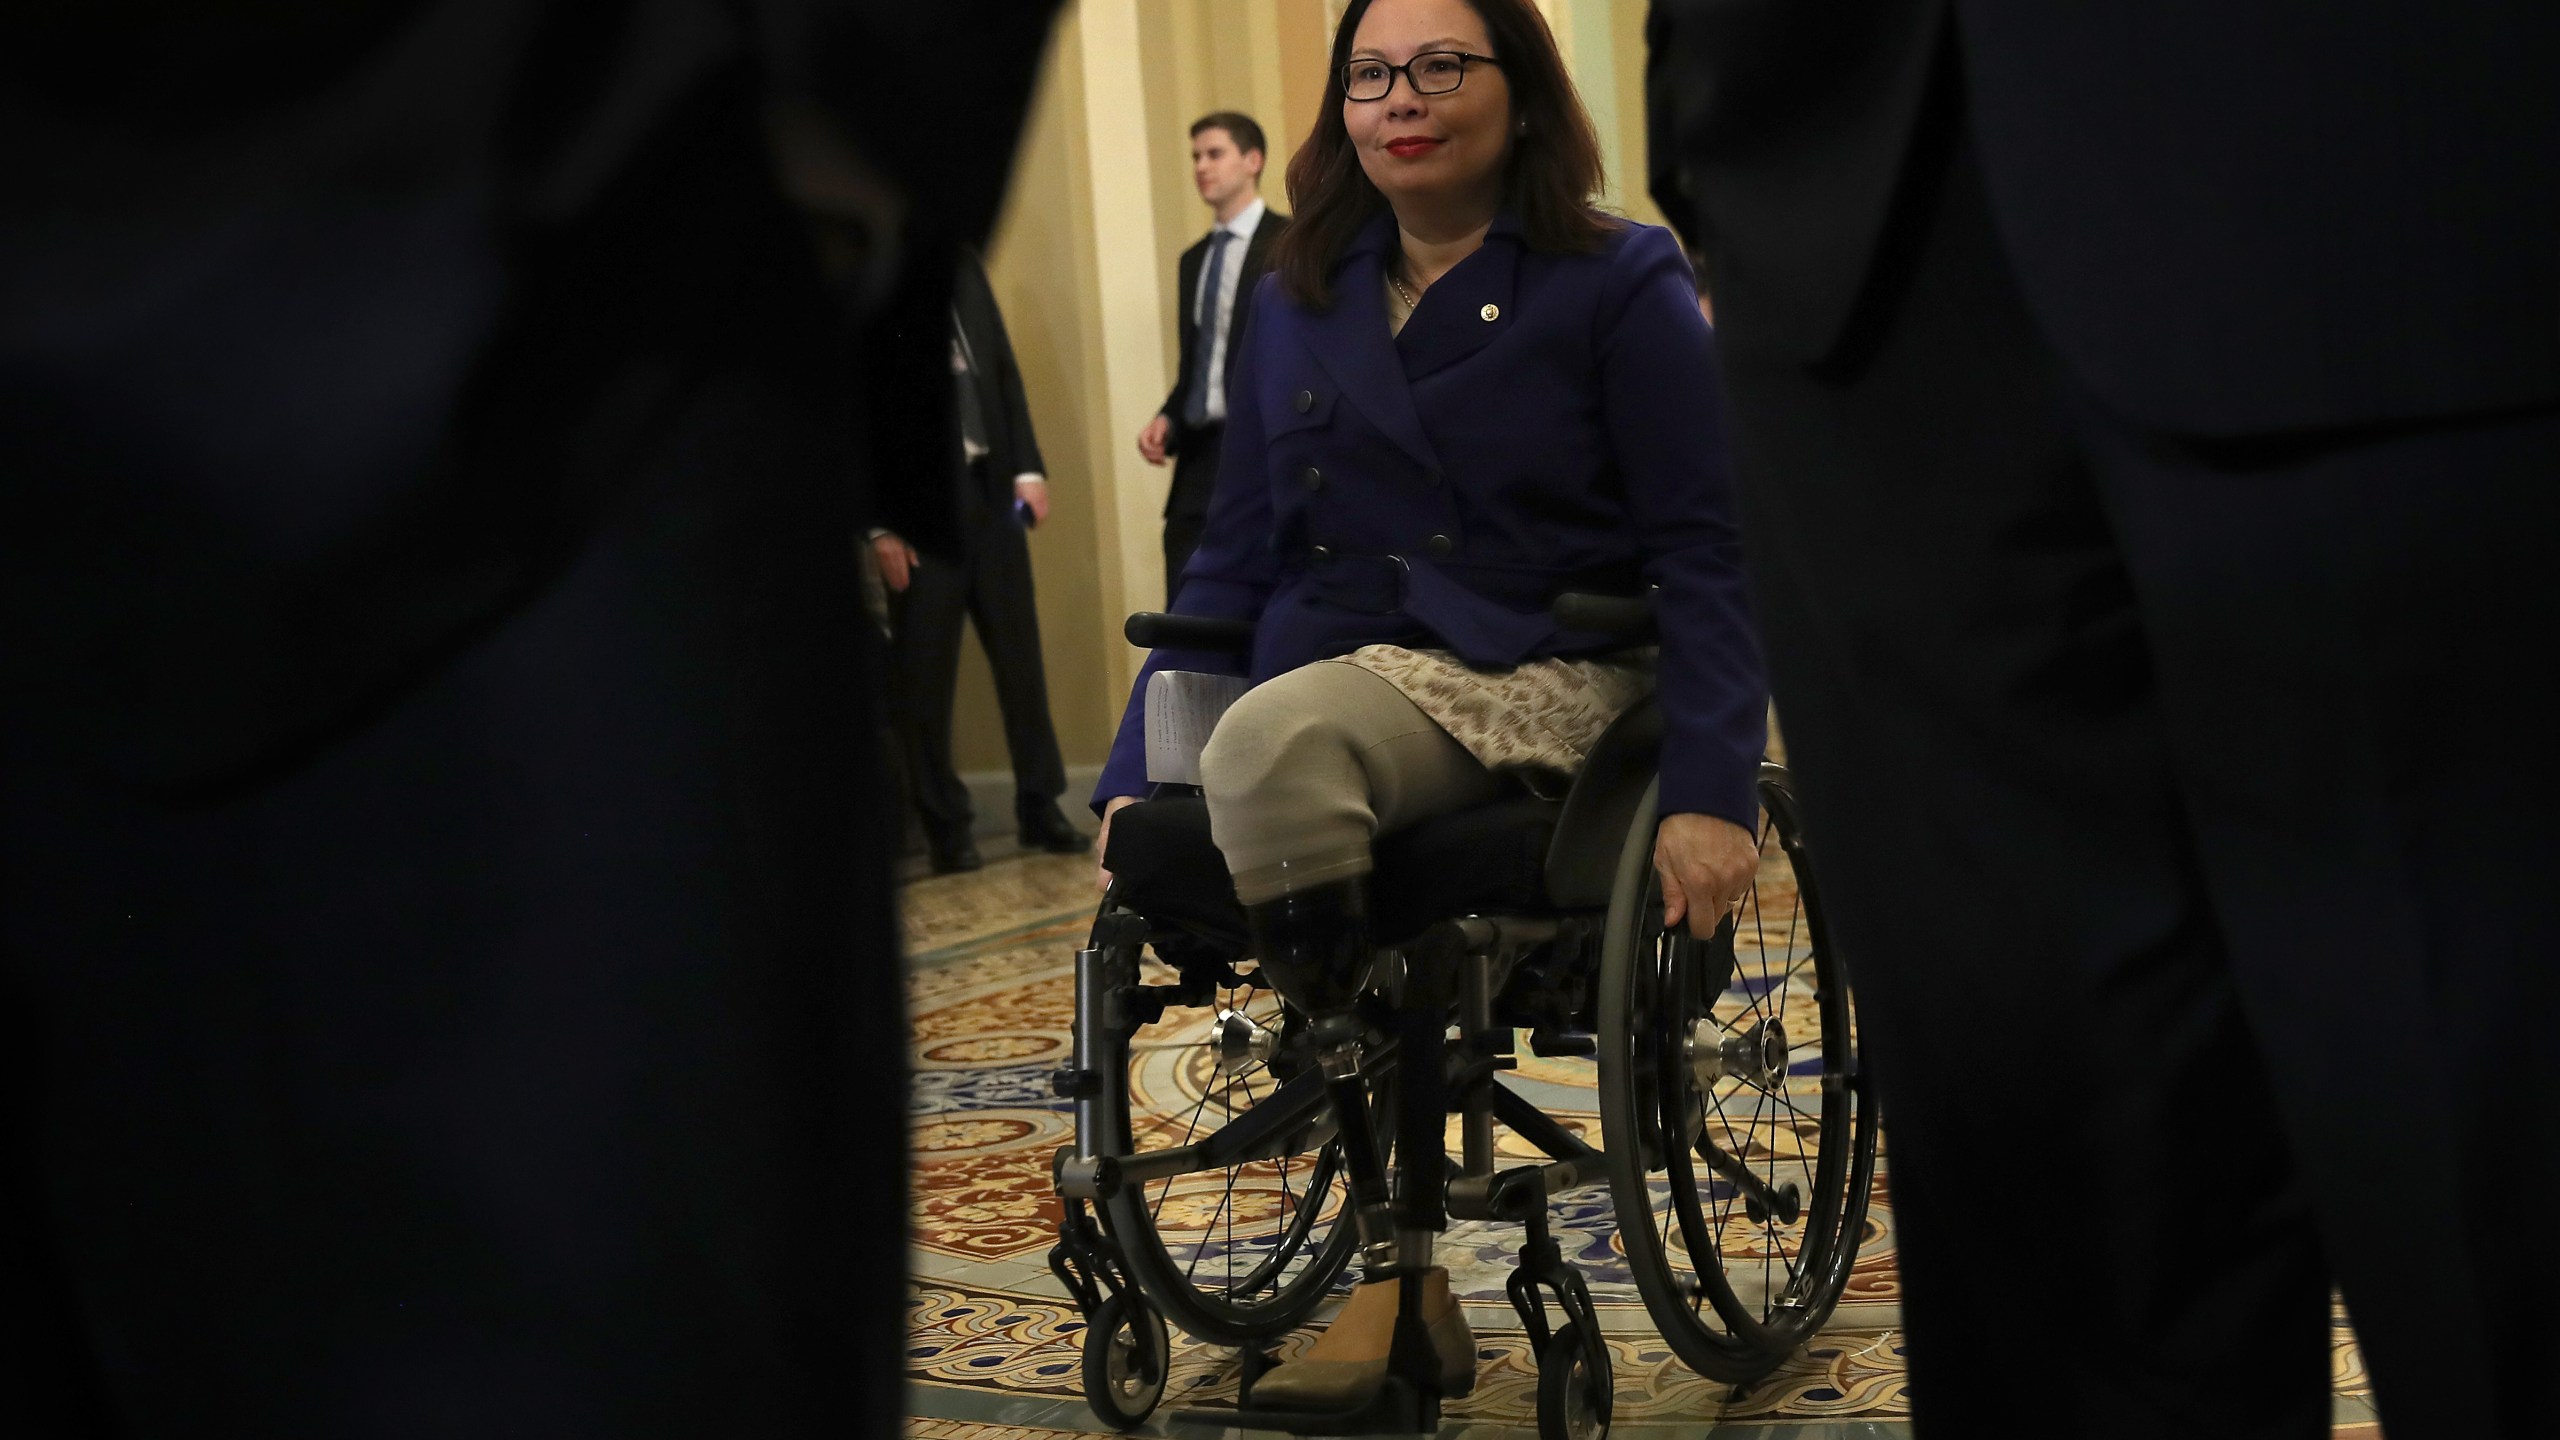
[[1125, 1351], [1573, 1402]]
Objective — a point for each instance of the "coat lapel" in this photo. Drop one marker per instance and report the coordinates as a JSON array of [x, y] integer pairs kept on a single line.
[[1187, 276], [1451, 323], [1349, 340], [1257, 251]]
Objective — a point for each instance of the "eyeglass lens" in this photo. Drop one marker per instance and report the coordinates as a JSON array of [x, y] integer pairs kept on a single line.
[[1435, 72]]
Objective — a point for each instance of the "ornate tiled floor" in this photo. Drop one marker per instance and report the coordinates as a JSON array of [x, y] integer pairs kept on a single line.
[[994, 1343]]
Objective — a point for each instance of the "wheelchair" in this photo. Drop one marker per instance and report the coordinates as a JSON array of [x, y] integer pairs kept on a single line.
[[1230, 1154]]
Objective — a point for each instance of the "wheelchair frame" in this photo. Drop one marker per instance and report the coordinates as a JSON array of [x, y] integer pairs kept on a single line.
[[1456, 966], [1456, 972]]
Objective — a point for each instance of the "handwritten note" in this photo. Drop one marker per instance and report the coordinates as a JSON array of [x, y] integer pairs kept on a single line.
[[1183, 706]]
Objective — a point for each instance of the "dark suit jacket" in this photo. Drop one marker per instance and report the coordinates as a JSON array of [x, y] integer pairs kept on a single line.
[[1257, 262], [1543, 423], [428, 467], [564, 241], [1013, 448], [2229, 218]]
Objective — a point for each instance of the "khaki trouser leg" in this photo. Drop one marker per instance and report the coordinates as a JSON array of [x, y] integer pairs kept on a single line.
[[1305, 770]]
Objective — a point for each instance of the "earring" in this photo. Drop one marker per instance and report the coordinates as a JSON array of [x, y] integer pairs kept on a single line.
[[1522, 128]]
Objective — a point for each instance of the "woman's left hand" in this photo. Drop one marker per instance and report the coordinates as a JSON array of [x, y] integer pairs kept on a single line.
[[1706, 864]]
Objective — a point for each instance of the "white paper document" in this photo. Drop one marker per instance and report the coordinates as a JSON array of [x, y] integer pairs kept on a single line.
[[1183, 706]]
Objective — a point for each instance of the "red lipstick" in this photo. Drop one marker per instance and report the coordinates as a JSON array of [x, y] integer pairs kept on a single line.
[[1408, 146]]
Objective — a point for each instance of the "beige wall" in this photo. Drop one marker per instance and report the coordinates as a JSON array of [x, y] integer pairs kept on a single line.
[[1041, 259], [1100, 211]]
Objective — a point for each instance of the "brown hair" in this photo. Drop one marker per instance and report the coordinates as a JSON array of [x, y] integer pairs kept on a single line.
[[1238, 125], [1551, 175]]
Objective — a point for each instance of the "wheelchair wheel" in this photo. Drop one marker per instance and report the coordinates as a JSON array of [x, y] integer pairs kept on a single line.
[[1574, 1402], [1234, 1215], [1126, 1353], [1741, 1136]]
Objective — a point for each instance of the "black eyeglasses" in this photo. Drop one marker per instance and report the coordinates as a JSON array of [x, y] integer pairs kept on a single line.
[[1433, 72]]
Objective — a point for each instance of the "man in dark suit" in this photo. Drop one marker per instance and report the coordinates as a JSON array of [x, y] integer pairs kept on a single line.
[[2147, 416], [447, 974], [985, 576], [1216, 300]]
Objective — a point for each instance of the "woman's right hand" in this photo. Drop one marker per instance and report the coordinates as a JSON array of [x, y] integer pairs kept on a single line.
[[1102, 841]]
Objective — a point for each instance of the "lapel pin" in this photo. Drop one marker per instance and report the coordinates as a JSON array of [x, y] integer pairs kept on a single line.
[[1491, 312]]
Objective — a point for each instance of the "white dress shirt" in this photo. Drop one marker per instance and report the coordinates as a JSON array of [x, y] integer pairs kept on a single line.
[[1214, 328]]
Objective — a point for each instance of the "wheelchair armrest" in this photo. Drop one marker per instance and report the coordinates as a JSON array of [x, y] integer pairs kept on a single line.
[[1628, 617], [1154, 630], [1582, 859]]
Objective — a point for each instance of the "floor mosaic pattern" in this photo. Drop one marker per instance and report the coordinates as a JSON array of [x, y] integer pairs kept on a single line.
[[994, 1344]]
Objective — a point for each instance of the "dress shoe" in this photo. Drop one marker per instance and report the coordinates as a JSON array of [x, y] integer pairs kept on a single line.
[[1044, 827], [1349, 1360], [950, 857]]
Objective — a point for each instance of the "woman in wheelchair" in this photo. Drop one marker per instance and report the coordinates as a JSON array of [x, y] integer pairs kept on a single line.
[[1465, 392]]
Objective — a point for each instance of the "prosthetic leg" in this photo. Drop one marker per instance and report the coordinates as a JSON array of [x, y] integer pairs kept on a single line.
[[1401, 1344]]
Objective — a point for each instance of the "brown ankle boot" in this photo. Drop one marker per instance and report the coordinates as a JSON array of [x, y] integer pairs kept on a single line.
[[1349, 1359]]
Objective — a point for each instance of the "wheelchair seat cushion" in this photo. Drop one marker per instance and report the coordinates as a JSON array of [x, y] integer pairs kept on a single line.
[[1490, 858], [1164, 866]]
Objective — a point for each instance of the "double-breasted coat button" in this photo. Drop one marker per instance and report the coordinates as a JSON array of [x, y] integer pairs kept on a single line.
[[1306, 400], [1312, 478], [1319, 554], [1442, 545], [1437, 479], [1491, 312]]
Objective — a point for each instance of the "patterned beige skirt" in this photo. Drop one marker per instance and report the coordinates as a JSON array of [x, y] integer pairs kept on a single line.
[[1537, 721]]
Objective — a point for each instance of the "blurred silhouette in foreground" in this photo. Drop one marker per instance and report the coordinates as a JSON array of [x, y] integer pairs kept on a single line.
[[2148, 414], [449, 978]]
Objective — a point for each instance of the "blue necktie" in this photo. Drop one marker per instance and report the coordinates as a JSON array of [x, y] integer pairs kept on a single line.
[[1195, 405]]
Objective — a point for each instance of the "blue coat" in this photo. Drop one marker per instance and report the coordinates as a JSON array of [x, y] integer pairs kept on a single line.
[[1543, 423]]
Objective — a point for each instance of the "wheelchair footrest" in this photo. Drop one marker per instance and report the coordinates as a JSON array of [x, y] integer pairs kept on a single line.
[[1549, 1043], [1396, 1408]]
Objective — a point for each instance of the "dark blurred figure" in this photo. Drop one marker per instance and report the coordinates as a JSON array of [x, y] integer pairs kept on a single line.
[[2149, 419], [1002, 487], [450, 986]]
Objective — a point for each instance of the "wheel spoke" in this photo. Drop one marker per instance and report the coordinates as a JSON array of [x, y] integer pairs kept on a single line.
[[1783, 980], [1757, 995], [1799, 1110], [1760, 949], [1794, 916], [1192, 1270], [1759, 927], [1191, 1128], [1724, 1207], [1769, 1226], [1244, 1079]]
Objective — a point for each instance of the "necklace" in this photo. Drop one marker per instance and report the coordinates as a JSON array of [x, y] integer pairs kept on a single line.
[[1402, 293]]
